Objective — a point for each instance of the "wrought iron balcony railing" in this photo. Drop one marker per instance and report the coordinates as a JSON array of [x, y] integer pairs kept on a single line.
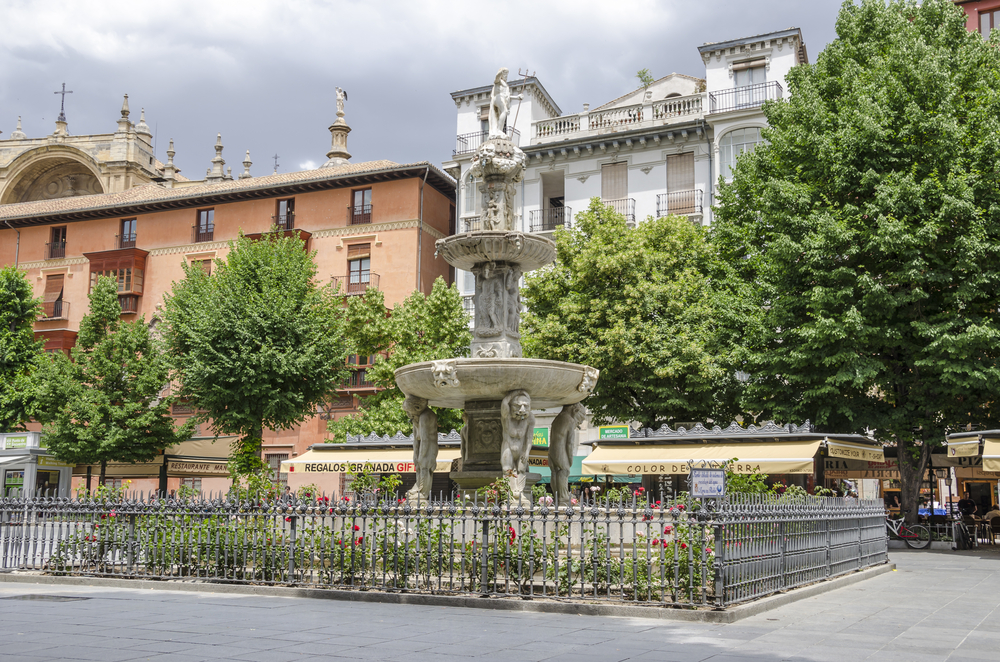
[[680, 203], [356, 283], [285, 221], [129, 303], [358, 380], [467, 143], [125, 240], [55, 250], [624, 206], [54, 310], [547, 220], [471, 224], [741, 98], [469, 305], [359, 214], [204, 233]]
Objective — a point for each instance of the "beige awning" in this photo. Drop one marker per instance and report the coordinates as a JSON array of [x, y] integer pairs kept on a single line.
[[376, 460], [790, 457], [991, 455], [966, 447], [854, 451]]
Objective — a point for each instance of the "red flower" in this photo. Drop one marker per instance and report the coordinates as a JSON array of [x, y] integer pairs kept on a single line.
[[357, 528], [656, 541], [288, 519], [668, 528], [684, 545], [513, 534], [642, 489], [681, 506], [635, 493], [360, 539]]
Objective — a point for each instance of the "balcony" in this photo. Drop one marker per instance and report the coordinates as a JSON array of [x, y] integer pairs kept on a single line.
[[679, 203], [129, 303], [471, 224], [356, 283], [203, 233], [284, 221], [55, 250], [357, 381], [743, 98], [547, 220], [54, 310], [624, 118], [469, 305], [468, 143], [623, 206], [125, 241], [359, 214]]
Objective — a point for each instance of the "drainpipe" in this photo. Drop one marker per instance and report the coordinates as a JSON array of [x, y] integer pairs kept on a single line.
[[17, 247], [420, 228]]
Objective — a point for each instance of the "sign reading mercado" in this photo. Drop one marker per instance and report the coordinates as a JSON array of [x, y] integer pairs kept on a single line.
[[613, 432]]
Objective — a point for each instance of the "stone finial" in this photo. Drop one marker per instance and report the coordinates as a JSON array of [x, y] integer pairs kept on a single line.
[[125, 111], [18, 134], [338, 154], [142, 128], [216, 172], [229, 173], [246, 167], [124, 125], [170, 170]]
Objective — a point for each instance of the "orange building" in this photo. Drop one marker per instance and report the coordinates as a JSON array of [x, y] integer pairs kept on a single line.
[[982, 16], [372, 225]]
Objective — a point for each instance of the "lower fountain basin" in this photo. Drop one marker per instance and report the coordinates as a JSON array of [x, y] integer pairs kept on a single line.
[[453, 382], [464, 251]]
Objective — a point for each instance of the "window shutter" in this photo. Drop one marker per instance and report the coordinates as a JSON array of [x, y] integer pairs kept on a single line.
[[680, 172], [53, 288], [749, 64], [358, 250], [484, 114], [614, 181]]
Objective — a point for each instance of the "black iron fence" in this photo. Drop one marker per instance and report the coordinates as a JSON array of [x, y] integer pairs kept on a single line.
[[55, 250], [667, 553], [547, 220], [126, 240], [359, 214]]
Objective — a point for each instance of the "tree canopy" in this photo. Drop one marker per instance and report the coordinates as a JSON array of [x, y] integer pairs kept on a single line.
[[421, 328], [257, 344], [870, 225], [18, 348], [651, 307], [106, 404]]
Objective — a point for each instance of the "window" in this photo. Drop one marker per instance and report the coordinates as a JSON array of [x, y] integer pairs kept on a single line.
[[484, 119], [680, 172], [57, 243], [191, 483], [127, 271], [732, 145], [274, 462], [126, 238], [205, 230], [285, 217], [749, 75], [614, 181], [988, 21], [361, 209], [204, 263], [52, 300]]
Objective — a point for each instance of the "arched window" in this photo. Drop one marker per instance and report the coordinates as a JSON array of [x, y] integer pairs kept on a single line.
[[733, 144]]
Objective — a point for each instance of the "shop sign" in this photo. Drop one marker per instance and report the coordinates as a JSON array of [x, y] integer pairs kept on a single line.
[[538, 461], [708, 483], [46, 461], [204, 468], [16, 442], [541, 437], [613, 432]]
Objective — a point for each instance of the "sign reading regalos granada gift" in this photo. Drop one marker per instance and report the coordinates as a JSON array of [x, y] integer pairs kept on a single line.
[[612, 432], [353, 467]]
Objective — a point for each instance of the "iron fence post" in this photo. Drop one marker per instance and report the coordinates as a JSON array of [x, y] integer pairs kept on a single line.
[[484, 569], [720, 559], [781, 535], [130, 554], [826, 520], [291, 548]]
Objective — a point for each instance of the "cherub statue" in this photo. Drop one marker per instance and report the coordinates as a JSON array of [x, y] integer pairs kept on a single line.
[[518, 429]]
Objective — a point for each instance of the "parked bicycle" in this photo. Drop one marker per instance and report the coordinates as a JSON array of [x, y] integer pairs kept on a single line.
[[916, 536]]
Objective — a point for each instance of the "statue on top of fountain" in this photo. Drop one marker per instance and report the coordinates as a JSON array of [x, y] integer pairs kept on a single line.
[[498, 163]]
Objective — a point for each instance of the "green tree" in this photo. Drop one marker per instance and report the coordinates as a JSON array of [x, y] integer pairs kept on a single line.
[[645, 78], [870, 224], [258, 344], [422, 328], [650, 307], [105, 404], [18, 348]]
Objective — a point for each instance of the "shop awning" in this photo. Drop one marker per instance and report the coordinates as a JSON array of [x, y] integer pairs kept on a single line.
[[967, 447], [991, 455], [14, 459], [791, 457], [376, 460], [854, 451]]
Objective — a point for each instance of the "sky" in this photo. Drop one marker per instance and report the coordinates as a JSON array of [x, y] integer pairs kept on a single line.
[[264, 73]]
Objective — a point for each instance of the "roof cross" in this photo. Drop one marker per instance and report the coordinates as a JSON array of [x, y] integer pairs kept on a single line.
[[62, 105], [275, 164]]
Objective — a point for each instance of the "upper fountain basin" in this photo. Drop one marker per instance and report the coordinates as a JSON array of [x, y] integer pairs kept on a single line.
[[453, 382], [464, 251]]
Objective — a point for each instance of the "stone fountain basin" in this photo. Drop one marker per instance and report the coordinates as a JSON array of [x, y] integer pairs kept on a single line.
[[466, 250], [549, 383]]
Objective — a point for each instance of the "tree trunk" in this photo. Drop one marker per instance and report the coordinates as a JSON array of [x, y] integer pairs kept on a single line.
[[911, 476], [104, 471]]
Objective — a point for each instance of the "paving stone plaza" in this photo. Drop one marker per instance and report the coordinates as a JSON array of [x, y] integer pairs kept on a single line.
[[935, 606]]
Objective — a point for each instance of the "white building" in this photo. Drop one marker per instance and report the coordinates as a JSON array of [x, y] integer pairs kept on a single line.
[[651, 152]]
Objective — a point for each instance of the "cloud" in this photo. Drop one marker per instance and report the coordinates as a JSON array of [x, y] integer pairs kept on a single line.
[[308, 165]]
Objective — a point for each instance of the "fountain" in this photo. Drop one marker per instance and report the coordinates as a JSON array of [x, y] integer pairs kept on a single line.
[[496, 387]]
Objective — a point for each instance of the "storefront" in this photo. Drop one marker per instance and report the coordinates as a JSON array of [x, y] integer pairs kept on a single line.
[[26, 468], [976, 456], [786, 454], [199, 464]]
